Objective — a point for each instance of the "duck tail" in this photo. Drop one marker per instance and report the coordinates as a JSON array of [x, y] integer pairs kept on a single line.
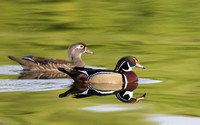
[[20, 61], [65, 71]]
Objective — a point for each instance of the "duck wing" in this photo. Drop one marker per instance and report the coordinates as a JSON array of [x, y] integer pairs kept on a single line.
[[41, 63], [90, 71], [80, 70], [44, 60], [37, 60], [42, 75], [84, 74], [24, 62]]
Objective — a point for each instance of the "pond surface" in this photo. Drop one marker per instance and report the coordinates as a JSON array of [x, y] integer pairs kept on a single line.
[[163, 35], [163, 119], [38, 83]]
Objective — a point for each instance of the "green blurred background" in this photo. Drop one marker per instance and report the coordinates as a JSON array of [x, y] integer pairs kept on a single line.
[[163, 35]]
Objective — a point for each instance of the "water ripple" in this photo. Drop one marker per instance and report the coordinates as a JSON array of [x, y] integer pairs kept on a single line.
[[10, 85]]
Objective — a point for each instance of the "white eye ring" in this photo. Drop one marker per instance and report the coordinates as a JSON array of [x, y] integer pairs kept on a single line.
[[81, 46]]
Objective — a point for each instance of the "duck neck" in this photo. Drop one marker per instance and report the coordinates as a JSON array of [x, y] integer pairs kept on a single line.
[[77, 61]]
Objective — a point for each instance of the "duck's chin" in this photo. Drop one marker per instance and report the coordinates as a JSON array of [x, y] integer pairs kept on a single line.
[[127, 68]]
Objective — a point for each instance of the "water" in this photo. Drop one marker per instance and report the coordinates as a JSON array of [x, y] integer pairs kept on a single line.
[[109, 108], [10, 85], [162, 119], [39, 83], [163, 35], [10, 70]]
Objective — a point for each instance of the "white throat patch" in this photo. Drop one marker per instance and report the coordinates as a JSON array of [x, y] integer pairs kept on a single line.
[[129, 68]]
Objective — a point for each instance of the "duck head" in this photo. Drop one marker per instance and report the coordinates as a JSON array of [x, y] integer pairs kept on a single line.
[[126, 63], [76, 50]]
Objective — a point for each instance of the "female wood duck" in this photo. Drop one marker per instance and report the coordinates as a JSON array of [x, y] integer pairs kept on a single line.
[[49, 64], [42, 75], [121, 81]]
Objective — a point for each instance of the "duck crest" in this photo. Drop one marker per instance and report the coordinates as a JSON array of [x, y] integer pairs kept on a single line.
[[125, 64], [119, 65]]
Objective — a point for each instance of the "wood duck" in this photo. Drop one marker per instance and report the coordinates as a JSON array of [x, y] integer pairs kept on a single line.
[[33, 63], [121, 81], [42, 75]]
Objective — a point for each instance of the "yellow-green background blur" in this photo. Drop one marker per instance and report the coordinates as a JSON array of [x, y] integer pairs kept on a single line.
[[163, 34]]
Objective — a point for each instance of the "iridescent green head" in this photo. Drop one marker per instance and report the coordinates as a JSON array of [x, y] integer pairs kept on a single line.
[[126, 63]]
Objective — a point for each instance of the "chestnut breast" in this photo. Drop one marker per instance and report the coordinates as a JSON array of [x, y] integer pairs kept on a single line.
[[132, 81]]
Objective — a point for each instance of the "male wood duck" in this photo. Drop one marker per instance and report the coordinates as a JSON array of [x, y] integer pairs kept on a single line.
[[121, 81], [49, 64]]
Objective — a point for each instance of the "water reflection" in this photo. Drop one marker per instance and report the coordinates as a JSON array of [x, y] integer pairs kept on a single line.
[[10, 70], [12, 85], [42, 81], [81, 90]]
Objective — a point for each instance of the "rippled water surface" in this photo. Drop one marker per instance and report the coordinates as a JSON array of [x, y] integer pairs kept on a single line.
[[163, 35]]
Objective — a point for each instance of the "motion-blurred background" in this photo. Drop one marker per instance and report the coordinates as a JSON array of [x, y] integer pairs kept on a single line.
[[163, 35]]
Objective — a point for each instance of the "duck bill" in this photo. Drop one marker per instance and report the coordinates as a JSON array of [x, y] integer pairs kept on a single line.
[[139, 66], [88, 51]]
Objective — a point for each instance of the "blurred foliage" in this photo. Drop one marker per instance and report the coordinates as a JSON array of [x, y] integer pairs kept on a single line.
[[163, 35]]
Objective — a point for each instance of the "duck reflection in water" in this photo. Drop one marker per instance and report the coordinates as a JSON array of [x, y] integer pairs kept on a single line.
[[121, 81]]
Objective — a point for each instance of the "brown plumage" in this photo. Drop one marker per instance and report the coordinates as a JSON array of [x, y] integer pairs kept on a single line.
[[42, 75], [49, 64]]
